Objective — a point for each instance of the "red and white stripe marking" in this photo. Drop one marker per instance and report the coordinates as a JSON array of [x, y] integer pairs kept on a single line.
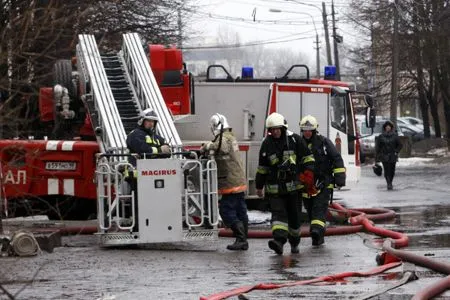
[[59, 145], [66, 188]]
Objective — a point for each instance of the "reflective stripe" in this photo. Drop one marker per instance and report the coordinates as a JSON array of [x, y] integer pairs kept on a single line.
[[308, 158], [306, 195], [154, 150], [280, 226], [339, 170], [290, 186], [233, 190], [262, 170], [126, 173], [318, 222], [294, 232], [330, 186], [291, 156], [271, 188], [273, 159], [150, 140]]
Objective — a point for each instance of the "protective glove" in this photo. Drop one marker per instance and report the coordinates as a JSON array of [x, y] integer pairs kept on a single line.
[[307, 178], [165, 149], [339, 179]]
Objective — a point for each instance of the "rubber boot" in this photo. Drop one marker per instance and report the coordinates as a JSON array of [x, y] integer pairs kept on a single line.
[[317, 236], [276, 246], [241, 237], [294, 241]]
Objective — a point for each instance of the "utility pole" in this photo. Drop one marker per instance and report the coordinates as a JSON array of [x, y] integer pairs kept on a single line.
[[336, 39], [395, 58], [180, 29], [327, 36], [317, 56]]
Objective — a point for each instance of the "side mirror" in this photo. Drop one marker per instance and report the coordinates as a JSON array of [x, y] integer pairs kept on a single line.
[[370, 117], [369, 100]]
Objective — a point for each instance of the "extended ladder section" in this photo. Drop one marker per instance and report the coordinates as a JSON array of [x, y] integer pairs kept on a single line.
[[117, 88], [146, 87], [122, 91], [94, 84]]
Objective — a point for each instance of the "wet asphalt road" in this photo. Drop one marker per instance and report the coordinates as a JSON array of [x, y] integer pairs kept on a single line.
[[81, 270]]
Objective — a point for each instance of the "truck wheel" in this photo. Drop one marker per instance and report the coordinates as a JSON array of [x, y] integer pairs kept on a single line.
[[62, 74]]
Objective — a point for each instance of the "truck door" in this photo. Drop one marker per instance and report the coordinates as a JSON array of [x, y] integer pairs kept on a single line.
[[295, 101]]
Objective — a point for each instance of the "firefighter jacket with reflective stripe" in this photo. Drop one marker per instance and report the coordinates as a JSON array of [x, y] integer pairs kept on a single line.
[[230, 169], [329, 168], [280, 162], [141, 141]]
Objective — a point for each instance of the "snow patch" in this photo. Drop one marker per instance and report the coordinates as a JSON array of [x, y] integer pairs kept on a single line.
[[413, 161], [258, 217], [441, 152]]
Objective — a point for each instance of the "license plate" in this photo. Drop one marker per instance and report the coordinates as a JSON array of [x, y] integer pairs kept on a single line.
[[61, 165]]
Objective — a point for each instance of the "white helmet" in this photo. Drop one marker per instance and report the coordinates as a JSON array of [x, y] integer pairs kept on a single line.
[[276, 120], [308, 123], [218, 122], [148, 114]]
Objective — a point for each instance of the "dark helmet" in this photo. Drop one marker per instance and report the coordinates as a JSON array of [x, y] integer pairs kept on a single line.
[[377, 169]]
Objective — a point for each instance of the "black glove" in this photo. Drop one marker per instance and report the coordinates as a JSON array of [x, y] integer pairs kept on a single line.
[[339, 179]]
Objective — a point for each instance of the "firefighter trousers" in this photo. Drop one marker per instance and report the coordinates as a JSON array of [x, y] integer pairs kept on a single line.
[[285, 218], [232, 209], [317, 208]]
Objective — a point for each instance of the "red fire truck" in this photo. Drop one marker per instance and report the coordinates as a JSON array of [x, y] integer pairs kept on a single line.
[[97, 101]]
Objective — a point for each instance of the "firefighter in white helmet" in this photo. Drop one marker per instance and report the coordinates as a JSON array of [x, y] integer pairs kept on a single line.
[[144, 139], [282, 157], [231, 180], [330, 171]]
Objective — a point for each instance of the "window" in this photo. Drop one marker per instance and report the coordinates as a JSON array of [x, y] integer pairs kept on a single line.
[[337, 111]]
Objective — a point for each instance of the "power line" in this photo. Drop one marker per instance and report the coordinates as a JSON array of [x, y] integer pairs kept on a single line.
[[246, 44]]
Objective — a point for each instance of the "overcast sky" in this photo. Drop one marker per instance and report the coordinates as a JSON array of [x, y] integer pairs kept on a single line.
[[293, 27]]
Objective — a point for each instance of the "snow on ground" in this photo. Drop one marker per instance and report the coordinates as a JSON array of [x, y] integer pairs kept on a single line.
[[441, 152], [414, 161], [258, 217]]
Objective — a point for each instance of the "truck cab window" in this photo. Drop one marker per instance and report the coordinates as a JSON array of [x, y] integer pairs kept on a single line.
[[338, 113]]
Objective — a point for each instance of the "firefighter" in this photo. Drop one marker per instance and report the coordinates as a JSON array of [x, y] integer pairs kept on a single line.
[[231, 180], [281, 159], [387, 147], [329, 171], [144, 139]]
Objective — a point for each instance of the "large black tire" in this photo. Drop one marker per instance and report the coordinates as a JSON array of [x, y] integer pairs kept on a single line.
[[62, 74]]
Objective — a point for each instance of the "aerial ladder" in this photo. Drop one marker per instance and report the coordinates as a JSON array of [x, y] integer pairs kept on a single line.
[[176, 198]]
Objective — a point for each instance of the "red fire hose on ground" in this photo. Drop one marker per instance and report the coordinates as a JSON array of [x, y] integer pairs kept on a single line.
[[360, 219]]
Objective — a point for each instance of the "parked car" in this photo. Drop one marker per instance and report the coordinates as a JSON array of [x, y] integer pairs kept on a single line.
[[416, 122], [411, 131]]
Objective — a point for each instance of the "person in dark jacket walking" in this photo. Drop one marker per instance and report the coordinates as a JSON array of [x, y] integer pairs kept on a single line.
[[387, 147], [231, 180], [282, 157], [329, 171]]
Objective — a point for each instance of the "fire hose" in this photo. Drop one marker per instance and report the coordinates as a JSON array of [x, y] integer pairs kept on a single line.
[[360, 219]]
